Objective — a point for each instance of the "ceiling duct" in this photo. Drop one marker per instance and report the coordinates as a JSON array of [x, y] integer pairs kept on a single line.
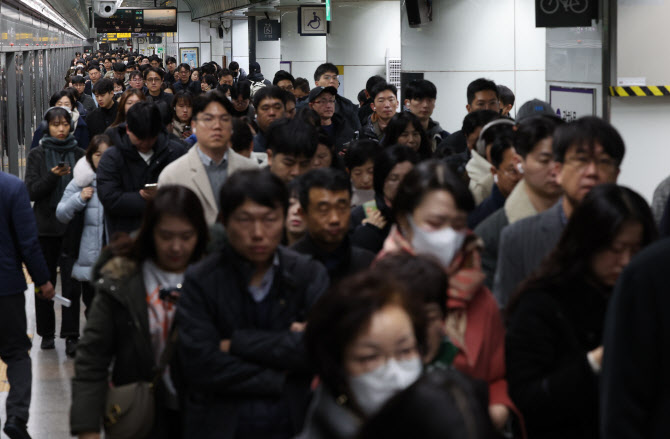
[[75, 12]]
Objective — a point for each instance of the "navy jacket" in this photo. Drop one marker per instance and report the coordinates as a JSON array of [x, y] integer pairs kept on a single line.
[[18, 238], [486, 208], [121, 174]]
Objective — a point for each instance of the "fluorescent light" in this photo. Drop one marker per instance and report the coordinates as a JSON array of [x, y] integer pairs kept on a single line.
[[46, 10]]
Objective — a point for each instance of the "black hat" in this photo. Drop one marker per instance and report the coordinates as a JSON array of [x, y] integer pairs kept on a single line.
[[534, 107], [254, 67], [317, 91]]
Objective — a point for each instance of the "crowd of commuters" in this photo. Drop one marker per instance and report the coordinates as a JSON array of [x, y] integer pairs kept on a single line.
[[267, 259]]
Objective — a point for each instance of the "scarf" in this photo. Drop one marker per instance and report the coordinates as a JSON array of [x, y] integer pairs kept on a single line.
[[56, 151]]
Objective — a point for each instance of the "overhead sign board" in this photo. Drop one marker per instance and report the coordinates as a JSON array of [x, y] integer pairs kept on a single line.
[[565, 13], [268, 30], [138, 20]]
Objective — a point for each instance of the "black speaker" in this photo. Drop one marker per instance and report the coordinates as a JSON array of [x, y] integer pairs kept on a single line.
[[413, 14], [220, 29]]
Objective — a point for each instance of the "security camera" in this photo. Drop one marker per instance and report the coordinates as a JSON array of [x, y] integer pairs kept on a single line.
[[105, 8]]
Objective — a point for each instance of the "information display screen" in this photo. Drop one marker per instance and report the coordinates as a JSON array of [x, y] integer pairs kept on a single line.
[[138, 20]]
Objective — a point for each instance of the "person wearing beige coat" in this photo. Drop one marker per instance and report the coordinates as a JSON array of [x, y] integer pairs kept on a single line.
[[189, 171]]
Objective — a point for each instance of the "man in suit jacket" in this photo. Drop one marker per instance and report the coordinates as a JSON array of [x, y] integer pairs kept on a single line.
[[588, 152], [209, 163]]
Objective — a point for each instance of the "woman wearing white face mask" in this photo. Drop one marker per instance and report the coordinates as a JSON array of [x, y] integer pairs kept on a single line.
[[431, 209], [365, 338]]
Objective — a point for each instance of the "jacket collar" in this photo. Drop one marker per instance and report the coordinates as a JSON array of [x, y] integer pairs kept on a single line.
[[199, 176], [518, 205]]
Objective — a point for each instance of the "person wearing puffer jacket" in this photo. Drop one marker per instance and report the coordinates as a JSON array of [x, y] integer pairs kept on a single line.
[[80, 195]]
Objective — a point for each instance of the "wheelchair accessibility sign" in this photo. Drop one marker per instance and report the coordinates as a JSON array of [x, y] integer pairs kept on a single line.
[[312, 21]]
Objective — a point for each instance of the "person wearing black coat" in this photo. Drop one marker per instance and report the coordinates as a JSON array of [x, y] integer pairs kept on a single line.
[[124, 170], [368, 235], [46, 182], [241, 319]]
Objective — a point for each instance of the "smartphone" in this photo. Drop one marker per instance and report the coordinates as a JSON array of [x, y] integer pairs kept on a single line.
[[61, 165], [150, 186], [370, 207], [187, 128]]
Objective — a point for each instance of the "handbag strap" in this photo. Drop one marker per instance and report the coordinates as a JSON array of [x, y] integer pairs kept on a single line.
[[166, 356]]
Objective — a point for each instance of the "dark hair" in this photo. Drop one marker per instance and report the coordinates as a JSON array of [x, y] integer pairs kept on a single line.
[[359, 152], [182, 96], [426, 177], [386, 160], [282, 75], [372, 82], [270, 92], [586, 132], [107, 58], [171, 59], [155, 70], [420, 89], [183, 66], [242, 134], [493, 132], [121, 110], [362, 97], [201, 102], [119, 67], [173, 200], [258, 185], [223, 72], [241, 88], [397, 126], [422, 275], [324, 178], [478, 119], [210, 80], [478, 85], [505, 95], [234, 65], [342, 313], [383, 86], [77, 79], [323, 69], [94, 145], [531, 130], [301, 84], [441, 404], [292, 137], [57, 113], [93, 66], [60, 94], [592, 228], [104, 86], [501, 144], [143, 67], [133, 74], [144, 120], [121, 83], [208, 69]]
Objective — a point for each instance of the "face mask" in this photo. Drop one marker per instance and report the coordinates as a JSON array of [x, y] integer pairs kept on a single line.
[[125, 61], [374, 388], [443, 243]]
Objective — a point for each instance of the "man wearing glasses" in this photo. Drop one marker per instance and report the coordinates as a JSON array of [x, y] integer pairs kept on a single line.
[[588, 152], [209, 163], [322, 101], [153, 77], [326, 75]]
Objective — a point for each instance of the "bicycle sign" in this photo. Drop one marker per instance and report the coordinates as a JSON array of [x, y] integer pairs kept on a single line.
[[312, 21], [565, 13]]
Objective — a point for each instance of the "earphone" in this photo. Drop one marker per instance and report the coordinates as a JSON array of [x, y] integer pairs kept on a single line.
[[45, 126], [480, 146]]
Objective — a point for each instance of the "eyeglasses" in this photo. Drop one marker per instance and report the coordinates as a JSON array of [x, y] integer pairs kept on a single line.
[[581, 161], [511, 172], [329, 77], [210, 120], [153, 79], [325, 102]]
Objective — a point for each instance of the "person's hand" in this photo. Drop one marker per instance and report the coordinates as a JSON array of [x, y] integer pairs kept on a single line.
[[499, 414], [298, 326], [376, 219], [89, 435], [224, 346], [47, 291], [148, 194], [60, 171], [597, 355], [87, 193], [186, 134]]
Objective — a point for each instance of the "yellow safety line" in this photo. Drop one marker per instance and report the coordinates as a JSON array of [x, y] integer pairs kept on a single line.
[[638, 91], [621, 91]]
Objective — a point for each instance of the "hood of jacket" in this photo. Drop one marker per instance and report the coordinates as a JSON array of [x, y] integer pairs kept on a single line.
[[83, 174], [256, 77]]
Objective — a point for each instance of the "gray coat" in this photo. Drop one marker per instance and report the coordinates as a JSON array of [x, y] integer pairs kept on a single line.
[[523, 246], [92, 235]]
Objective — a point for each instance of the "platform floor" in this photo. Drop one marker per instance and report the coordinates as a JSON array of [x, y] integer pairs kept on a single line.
[[52, 374]]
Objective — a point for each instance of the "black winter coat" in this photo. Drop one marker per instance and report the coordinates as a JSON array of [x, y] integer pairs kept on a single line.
[[116, 332], [343, 132], [99, 119], [368, 236], [550, 380], [121, 174], [264, 367], [345, 261], [41, 183]]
